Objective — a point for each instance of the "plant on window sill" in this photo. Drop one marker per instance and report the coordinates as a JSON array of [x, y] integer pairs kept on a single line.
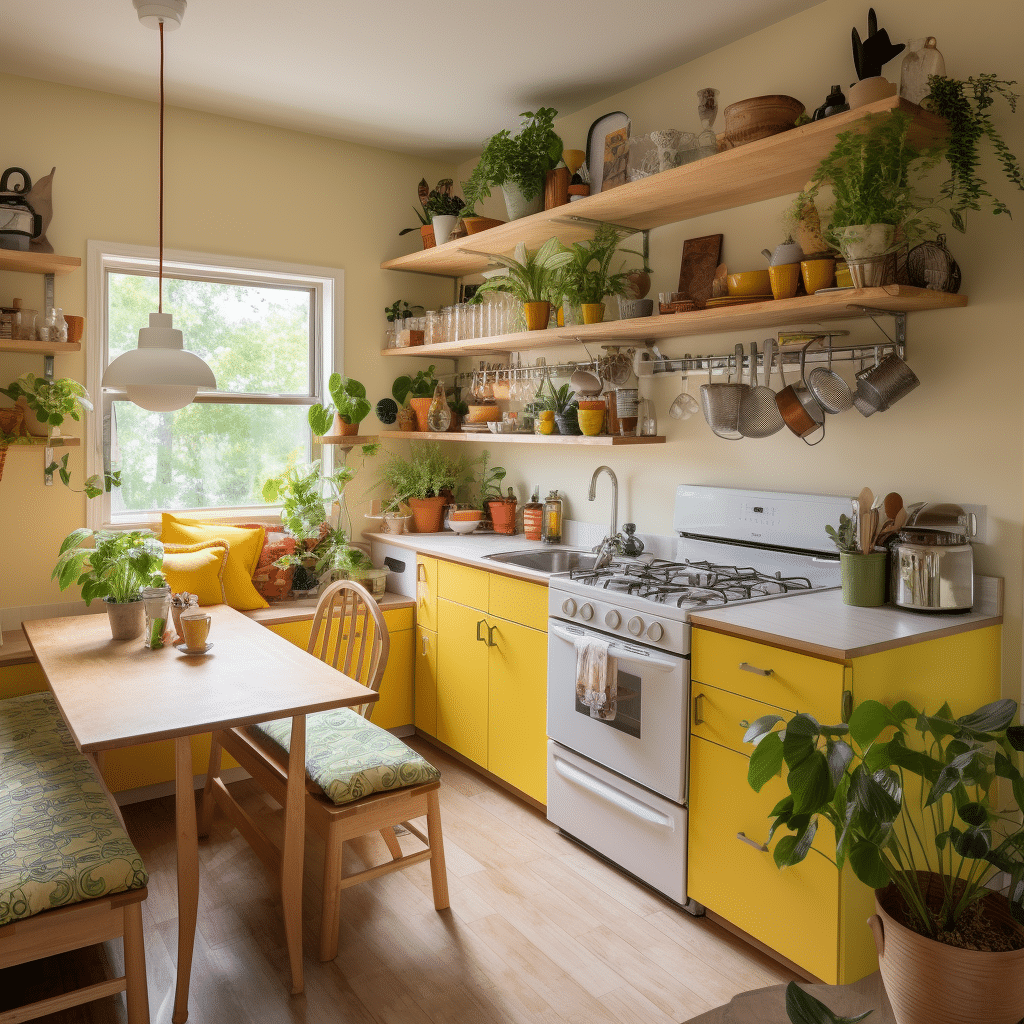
[[349, 403]]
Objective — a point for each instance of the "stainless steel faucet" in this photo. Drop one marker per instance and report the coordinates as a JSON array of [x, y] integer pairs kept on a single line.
[[604, 549]]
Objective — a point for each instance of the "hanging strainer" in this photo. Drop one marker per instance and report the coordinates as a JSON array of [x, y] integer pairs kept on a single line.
[[759, 412], [721, 402], [833, 394]]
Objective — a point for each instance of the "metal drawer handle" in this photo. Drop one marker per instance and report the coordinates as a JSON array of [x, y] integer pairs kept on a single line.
[[425, 642], [421, 572], [763, 847], [490, 636], [697, 707], [478, 636], [753, 668]]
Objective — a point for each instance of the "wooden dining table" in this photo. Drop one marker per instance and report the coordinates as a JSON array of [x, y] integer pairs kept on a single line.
[[120, 693]]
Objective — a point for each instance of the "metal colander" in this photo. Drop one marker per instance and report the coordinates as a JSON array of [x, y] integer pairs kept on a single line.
[[833, 394], [759, 412]]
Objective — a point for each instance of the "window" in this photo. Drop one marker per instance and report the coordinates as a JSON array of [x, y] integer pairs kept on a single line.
[[267, 332]]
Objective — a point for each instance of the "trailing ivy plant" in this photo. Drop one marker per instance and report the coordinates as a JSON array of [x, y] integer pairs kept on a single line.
[[966, 107]]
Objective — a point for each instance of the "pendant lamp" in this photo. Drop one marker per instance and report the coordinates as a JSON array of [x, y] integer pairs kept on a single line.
[[160, 375]]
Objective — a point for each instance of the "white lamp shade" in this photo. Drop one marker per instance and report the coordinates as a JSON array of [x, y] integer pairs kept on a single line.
[[160, 374]]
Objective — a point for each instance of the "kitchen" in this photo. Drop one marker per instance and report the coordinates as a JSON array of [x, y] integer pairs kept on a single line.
[[935, 445]]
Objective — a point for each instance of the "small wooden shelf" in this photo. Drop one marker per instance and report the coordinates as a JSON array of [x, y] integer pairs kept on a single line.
[[350, 440], [603, 441], [43, 348], [766, 169], [803, 311], [42, 442], [37, 262]]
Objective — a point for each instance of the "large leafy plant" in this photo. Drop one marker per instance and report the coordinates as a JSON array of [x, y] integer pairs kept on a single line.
[[905, 791], [425, 474], [532, 275], [587, 276], [349, 402], [422, 385], [51, 400], [117, 567]]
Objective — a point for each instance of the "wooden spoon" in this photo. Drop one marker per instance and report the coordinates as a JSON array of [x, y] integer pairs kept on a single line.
[[893, 503], [864, 500]]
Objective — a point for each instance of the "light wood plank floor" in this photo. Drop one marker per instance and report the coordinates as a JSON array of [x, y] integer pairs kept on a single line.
[[539, 932]]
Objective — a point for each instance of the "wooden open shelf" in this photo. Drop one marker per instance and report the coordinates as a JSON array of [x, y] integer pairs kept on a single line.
[[37, 262], [42, 442], [602, 441], [804, 311], [351, 440], [765, 169], [44, 348]]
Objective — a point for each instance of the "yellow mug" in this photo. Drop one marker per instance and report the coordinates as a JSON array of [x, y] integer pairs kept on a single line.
[[817, 274], [784, 278], [195, 628]]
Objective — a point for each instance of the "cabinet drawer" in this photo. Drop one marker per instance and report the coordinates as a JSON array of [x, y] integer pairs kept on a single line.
[[794, 911], [462, 584], [716, 715], [795, 682], [519, 601]]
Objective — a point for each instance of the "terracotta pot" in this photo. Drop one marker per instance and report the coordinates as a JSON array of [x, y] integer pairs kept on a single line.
[[474, 225], [421, 407], [503, 515], [929, 981], [343, 429], [428, 513], [537, 315], [427, 234], [127, 621], [76, 327], [593, 312]]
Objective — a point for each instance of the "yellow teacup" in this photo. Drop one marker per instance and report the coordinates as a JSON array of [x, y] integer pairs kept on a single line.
[[784, 278], [818, 274], [195, 629]]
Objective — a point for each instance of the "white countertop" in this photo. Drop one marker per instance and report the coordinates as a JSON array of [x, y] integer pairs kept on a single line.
[[819, 623]]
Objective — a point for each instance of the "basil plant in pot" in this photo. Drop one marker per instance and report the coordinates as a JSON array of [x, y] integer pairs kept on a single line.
[[116, 568], [347, 409], [927, 810]]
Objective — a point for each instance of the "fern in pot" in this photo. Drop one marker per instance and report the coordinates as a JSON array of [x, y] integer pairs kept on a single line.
[[587, 276]]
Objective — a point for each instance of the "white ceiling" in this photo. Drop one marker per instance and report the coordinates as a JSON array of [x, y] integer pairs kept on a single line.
[[430, 79]]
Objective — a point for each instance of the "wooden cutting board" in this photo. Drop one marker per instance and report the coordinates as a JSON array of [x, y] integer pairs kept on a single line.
[[701, 257]]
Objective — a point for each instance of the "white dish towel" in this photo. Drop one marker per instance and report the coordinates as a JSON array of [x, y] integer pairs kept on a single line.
[[596, 678]]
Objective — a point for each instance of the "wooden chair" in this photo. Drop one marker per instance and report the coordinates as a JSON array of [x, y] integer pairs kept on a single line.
[[359, 779]]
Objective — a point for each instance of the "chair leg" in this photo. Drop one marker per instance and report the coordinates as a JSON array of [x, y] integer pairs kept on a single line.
[[438, 872], [391, 841], [136, 989], [208, 803], [330, 915]]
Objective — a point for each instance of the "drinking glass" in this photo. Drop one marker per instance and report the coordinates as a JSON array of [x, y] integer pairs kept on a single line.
[[447, 323]]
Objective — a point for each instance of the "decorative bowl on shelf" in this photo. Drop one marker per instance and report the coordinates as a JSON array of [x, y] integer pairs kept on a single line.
[[760, 116], [754, 282], [464, 520]]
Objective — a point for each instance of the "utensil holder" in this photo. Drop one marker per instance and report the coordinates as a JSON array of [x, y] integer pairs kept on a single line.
[[863, 578]]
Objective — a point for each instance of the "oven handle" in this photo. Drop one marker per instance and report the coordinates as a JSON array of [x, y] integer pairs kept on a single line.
[[621, 654], [611, 795]]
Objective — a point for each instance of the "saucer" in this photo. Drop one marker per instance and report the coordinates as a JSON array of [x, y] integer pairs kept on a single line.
[[184, 650]]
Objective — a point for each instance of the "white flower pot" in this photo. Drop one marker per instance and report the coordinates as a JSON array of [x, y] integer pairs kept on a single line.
[[516, 205], [443, 227], [862, 241]]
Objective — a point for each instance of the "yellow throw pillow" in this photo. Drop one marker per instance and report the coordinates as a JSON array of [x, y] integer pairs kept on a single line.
[[244, 547], [197, 569]]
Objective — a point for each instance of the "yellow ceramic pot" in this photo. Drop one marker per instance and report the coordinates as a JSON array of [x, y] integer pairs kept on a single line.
[[591, 421], [784, 278], [593, 312], [818, 274], [537, 315], [546, 421]]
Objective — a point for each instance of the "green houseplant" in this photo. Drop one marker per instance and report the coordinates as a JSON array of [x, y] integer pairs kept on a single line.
[[499, 505], [116, 568], [561, 401], [348, 406], [532, 279], [434, 202], [912, 799], [49, 402], [418, 392], [426, 481], [587, 277], [518, 163]]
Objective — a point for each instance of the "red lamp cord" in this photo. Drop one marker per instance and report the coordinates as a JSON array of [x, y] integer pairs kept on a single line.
[[160, 303]]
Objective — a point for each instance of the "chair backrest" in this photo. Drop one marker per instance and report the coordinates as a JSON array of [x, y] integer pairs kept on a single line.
[[347, 615]]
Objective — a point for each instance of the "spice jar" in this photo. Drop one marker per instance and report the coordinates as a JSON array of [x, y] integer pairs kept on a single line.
[[552, 519]]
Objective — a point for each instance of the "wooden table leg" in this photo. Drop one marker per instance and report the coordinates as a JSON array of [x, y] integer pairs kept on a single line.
[[188, 872], [294, 846]]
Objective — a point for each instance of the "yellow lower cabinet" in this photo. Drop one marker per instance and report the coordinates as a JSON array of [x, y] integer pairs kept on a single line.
[[517, 707], [795, 911], [16, 680], [462, 679], [425, 686], [426, 592]]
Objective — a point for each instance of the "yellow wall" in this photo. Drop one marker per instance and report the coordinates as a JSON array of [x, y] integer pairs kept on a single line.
[[958, 437], [232, 187]]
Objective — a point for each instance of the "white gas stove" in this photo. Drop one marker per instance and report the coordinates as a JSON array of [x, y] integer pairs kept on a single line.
[[617, 781]]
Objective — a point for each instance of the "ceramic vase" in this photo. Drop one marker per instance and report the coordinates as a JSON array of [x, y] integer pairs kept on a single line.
[[421, 407], [593, 312], [869, 90], [537, 315], [863, 579], [920, 61], [443, 227]]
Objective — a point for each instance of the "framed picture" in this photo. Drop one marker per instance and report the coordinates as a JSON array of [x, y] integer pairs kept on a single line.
[[616, 158], [596, 138]]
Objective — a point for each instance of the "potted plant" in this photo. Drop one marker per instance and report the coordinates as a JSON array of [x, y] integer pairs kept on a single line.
[[532, 279], [561, 401], [443, 209], [863, 572], [418, 392], [424, 193], [48, 403], [116, 568], [518, 164], [426, 482], [586, 277], [911, 797], [350, 407], [501, 507]]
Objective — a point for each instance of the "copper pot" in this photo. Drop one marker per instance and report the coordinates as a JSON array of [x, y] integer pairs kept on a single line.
[[798, 406]]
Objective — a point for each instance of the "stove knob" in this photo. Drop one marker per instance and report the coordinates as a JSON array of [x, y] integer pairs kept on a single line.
[[587, 612], [635, 625], [612, 620], [655, 632], [569, 606]]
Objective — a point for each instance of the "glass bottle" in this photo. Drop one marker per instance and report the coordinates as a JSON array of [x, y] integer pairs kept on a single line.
[[552, 521], [921, 60], [707, 111], [533, 517], [439, 416]]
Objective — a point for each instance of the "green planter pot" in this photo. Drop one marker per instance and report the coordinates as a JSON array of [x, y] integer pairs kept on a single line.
[[863, 578]]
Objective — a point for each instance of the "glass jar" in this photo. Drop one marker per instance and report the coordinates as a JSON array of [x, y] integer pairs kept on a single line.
[[551, 526], [432, 327], [157, 604]]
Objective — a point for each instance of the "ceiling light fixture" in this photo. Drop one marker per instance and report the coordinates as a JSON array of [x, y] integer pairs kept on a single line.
[[160, 375]]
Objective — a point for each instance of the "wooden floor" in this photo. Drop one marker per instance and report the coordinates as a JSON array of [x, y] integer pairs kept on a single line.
[[539, 932]]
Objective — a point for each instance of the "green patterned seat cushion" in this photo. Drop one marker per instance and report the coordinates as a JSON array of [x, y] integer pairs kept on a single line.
[[349, 757], [60, 840]]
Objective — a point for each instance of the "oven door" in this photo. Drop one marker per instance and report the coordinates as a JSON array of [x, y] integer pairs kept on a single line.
[[647, 739]]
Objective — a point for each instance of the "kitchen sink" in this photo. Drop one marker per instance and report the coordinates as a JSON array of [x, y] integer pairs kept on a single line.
[[547, 560]]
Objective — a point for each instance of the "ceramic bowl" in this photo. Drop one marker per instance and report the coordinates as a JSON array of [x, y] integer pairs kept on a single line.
[[591, 421], [754, 282], [463, 525], [760, 116]]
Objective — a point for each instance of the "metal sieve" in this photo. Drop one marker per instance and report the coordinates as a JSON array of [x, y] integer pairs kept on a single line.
[[833, 394], [759, 412], [721, 402]]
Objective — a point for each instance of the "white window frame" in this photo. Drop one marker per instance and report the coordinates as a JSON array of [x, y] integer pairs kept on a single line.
[[326, 347]]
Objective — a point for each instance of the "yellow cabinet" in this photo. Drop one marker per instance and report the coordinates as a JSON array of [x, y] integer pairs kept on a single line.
[[426, 592], [425, 708], [463, 584], [518, 601], [517, 707], [462, 680]]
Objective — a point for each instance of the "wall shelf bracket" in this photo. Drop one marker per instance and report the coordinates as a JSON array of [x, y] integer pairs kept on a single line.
[[47, 463], [899, 341]]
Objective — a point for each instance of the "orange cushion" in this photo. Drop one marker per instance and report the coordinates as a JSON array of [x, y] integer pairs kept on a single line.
[[244, 547], [197, 569]]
